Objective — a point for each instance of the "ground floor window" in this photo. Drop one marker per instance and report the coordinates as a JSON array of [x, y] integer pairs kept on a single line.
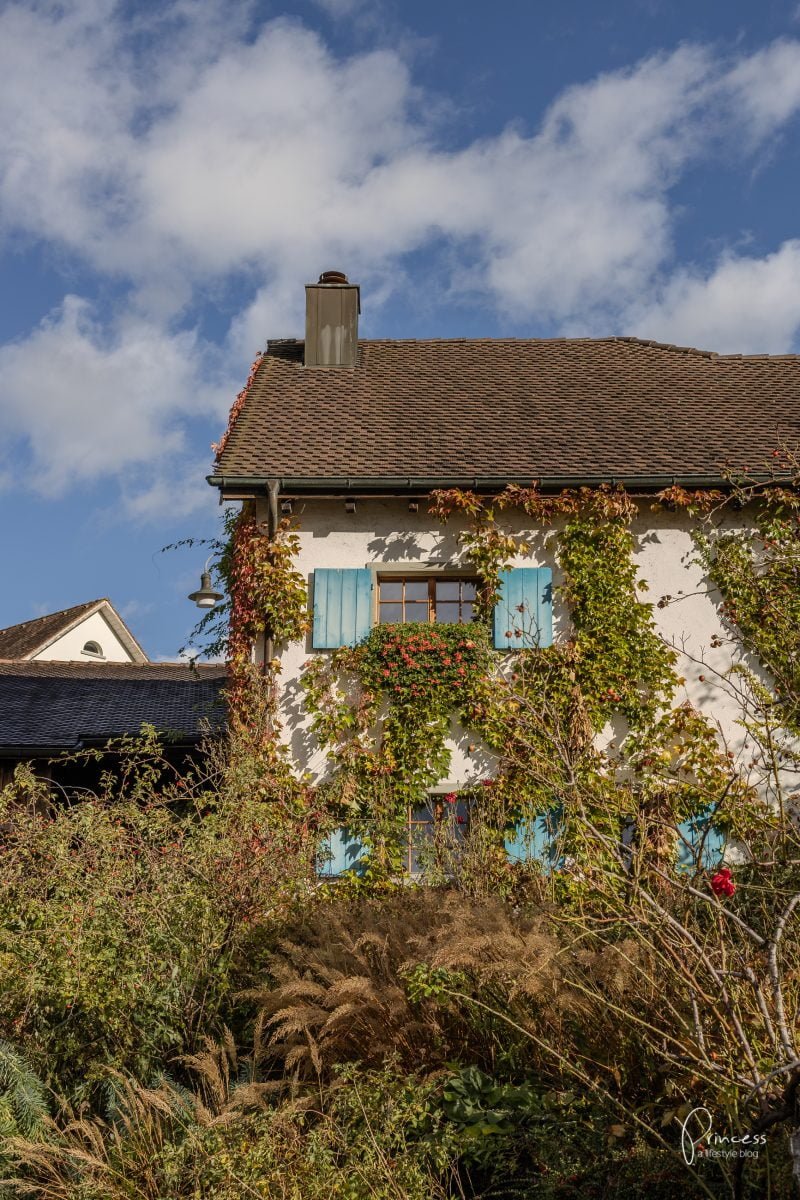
[[436, 832]]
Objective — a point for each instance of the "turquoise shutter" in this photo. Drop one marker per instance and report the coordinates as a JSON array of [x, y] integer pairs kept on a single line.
[[342, 607], [535, 839], [700, 844], [529, 589], [339, 851]]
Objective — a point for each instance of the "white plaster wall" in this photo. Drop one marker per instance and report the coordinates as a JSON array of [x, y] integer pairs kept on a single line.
[[94, 628], [384, 531]]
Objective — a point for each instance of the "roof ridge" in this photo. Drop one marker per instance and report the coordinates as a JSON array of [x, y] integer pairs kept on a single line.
[[673, 347], [294, 342], [638, 341], [77, 666]]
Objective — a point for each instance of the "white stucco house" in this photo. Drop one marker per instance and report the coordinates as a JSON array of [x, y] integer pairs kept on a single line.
[[351, 435]]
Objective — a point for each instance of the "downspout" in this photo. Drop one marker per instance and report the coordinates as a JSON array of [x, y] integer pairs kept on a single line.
[[273, 487]]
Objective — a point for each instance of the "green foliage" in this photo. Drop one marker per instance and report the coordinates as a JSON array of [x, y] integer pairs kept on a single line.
[[624, 666], [481, 1107], [758, 574], [383, 711], [471, 1039], [122, 915], [23, 1103], [374, 1135]]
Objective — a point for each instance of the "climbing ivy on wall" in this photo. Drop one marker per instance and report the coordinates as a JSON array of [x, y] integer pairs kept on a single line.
[[265, 599], [758, 575], [622, 665], [382, 710]]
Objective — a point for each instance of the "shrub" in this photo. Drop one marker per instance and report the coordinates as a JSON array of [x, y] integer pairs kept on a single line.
[[122, 915]]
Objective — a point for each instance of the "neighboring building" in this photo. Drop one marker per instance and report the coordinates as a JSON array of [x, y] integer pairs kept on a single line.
[[76, 679], [90, 632], [50, 709]]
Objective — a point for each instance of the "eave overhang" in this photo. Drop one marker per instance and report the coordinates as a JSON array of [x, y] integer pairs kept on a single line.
[[245, 487]]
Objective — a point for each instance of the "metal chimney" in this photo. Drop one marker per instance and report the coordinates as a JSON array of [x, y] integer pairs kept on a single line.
[[332, 308]]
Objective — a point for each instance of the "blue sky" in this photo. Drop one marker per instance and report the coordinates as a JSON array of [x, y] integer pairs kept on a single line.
[[171, 174]]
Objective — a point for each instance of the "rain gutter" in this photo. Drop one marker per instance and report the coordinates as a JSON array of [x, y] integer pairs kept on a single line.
[[247, 486]]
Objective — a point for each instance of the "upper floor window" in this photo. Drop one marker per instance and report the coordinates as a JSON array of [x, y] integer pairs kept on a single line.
[[415, 598], [94, 649]]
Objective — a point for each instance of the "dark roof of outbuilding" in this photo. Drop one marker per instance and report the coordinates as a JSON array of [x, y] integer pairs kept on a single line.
[[60, 705], [566, 409]]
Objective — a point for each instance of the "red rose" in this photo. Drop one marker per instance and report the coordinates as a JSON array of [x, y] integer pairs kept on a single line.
[[451, 797], [722, 884]]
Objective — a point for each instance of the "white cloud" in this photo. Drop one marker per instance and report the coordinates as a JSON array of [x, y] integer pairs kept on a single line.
[[745, 305], [764, 89], [216, 154], [174, 150], [133, 609], [92, 403]]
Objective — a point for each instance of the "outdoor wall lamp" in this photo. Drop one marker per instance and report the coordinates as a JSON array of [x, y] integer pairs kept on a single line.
[[349, 506], [286, 508], [205, 596]]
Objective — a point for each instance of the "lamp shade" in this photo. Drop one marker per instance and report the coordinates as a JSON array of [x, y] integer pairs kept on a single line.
[[205, 596]]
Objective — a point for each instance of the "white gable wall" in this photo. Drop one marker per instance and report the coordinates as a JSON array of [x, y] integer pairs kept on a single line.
[[385, 532], [93, 628]]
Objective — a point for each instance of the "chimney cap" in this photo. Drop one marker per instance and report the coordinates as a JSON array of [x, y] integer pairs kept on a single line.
[[333, 277]]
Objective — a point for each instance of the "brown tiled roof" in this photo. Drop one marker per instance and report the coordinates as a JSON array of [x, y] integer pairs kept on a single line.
[[560, 409], [18, 641]]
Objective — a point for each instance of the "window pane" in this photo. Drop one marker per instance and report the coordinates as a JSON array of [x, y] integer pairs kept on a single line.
[[391, 613], [469, 589], [416, 589], [421, 832], [426, 814], [391, 589], [467, 612], [416, 612], [457, 816], [447, 589], [447, 612]]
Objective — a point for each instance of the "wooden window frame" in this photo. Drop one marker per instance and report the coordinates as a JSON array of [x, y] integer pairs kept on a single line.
[[432, 579]]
